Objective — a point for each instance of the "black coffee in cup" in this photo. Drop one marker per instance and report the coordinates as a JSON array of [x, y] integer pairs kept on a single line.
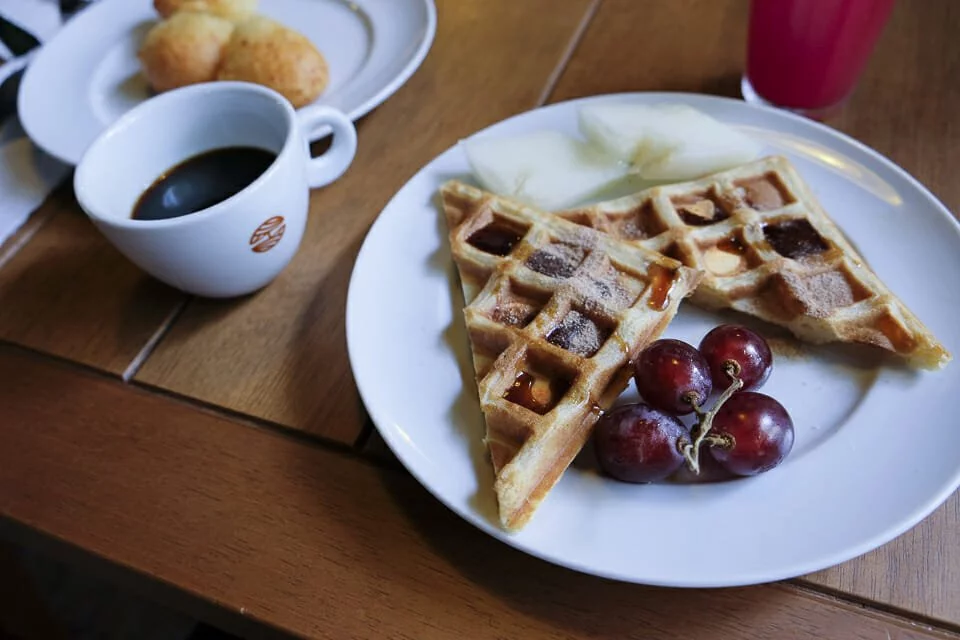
[[202, 181]]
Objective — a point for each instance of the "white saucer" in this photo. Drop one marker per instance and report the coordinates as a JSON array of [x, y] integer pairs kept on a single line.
[[88, 75], [877, 446]]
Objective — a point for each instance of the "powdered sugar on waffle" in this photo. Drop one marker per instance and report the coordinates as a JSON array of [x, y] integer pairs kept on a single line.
[[578, 333], [821, 293]]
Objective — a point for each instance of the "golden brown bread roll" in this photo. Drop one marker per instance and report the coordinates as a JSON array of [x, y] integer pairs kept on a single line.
[[233, 10], [267, 53], [186, 49]]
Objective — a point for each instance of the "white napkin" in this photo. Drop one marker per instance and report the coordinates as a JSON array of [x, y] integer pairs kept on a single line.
[[27, 175]]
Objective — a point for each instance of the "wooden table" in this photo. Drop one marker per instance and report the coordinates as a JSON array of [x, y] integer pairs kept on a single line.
[[220, 449]]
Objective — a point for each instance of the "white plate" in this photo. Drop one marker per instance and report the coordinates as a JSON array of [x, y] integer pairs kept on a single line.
[[88, 75], [877, 446]]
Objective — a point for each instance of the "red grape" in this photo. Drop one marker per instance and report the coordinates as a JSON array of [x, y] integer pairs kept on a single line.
[[637, 443], [741, 345], [757, 431], [671, 375]]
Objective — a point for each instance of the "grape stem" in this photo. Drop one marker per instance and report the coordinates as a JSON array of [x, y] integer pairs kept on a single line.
[[691, 451]]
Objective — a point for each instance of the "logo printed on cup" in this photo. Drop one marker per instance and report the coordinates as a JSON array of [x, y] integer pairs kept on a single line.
[[268, 234]]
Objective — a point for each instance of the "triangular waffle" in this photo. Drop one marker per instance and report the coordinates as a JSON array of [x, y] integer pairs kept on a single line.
[[555, 313], [767, 248]]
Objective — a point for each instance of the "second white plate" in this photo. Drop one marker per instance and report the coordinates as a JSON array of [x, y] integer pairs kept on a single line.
[[88, 75], [877, 446]]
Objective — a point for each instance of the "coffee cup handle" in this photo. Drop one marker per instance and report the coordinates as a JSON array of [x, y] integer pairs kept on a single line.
[[315, 121]]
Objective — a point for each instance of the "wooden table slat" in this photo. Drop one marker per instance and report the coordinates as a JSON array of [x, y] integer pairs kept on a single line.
[[683, 45], [19, 238], [323, 544], [67, 292]]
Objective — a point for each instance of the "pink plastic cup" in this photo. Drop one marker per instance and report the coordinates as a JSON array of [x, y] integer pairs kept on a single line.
[[806, 55]]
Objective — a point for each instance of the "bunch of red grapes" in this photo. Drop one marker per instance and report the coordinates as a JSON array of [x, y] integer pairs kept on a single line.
[[745, 432]]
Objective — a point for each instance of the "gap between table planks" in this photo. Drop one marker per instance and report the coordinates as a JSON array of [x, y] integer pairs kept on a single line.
[[326, 544]]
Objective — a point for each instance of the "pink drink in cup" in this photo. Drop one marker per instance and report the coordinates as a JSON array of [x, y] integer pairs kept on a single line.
[[806, 55]]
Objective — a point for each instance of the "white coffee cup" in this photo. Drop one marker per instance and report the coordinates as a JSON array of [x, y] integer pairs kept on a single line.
[[242, 243]]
